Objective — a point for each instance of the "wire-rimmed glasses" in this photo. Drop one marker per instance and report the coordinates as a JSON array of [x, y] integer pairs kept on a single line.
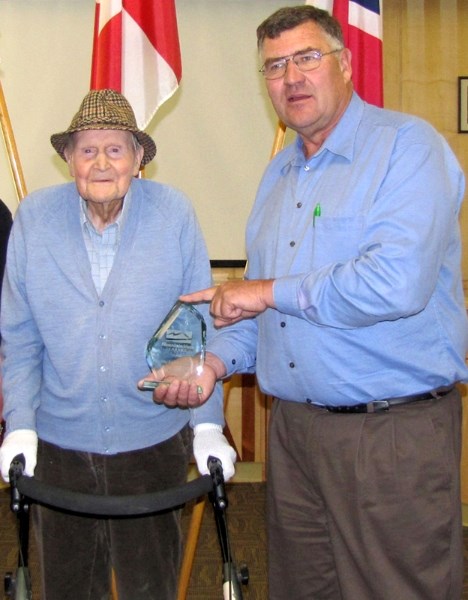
[[305, 60]]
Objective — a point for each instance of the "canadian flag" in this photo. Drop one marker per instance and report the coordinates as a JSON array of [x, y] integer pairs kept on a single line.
[[361, 21], [136, 52]]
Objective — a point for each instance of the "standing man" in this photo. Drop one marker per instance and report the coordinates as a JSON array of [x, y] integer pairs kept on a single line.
[[352, 315], [93, 267]]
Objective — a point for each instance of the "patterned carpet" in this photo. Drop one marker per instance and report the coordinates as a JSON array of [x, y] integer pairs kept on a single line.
[[246, 527], [246, 530]]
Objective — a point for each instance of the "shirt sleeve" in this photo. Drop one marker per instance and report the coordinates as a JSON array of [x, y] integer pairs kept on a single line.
[[405, 236], [236, 346]]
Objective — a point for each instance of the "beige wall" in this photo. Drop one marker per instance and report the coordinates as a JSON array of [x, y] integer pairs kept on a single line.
[[213, 136]]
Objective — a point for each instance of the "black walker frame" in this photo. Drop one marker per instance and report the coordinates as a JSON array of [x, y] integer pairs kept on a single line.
[[25, 490]]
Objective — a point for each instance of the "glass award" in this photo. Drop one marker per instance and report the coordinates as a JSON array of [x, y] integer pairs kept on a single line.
[[177, 348]]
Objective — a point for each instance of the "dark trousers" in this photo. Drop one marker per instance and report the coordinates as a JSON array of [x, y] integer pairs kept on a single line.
[[365, 506], [78, 552]]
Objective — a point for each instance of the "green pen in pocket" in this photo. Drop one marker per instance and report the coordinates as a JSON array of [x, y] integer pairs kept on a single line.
[[317, 213]]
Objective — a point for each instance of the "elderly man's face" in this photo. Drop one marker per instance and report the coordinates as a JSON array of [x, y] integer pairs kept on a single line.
[[103, 163]]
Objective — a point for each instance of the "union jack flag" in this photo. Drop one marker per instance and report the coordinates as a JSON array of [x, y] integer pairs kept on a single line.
[[361, 21]]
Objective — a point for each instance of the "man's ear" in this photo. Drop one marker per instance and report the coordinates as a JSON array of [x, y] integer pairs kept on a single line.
[[68, 158], [138, 158], [346, 64]]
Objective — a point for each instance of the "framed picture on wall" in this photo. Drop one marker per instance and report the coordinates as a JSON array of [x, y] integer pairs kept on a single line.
[[463, 104]]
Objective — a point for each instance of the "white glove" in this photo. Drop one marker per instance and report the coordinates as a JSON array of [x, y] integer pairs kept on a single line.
[[20, 441], [209, 441]]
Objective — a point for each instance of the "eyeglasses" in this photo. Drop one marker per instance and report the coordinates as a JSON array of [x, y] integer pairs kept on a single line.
[[305, 60]]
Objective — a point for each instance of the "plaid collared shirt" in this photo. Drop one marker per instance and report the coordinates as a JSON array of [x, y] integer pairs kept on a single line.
[[102, 247]]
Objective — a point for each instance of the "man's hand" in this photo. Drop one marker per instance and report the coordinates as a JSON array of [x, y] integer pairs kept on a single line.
[[233, 301], [20, 441], [173, 391]]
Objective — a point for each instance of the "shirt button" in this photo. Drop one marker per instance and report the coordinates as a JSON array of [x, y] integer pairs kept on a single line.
[[292, 244], [233, 361], [283, 324], [102, 368], [292, 365], [101, 303], [299, 204], [102, 336], [307, 168], [309, 401]]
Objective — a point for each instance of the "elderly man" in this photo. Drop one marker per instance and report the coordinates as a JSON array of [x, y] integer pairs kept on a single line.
[[353, 318], [93, 267]]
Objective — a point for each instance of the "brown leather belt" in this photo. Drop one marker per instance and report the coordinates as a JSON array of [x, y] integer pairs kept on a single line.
[[387, 403]]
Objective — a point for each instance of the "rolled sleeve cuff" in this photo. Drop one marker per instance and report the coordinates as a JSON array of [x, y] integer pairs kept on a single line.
[[285, 295]]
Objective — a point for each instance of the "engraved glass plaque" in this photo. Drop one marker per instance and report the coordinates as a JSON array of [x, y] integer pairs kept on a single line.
[[177, 348]]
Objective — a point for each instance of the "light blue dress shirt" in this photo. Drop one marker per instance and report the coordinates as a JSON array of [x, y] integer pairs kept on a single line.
[[363, 243]]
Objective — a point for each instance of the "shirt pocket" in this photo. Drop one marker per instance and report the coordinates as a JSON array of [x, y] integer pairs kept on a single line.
[[336, 239]]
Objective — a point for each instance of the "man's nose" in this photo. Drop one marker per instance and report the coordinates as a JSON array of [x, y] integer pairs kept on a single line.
[[101, 161], [292, 73]]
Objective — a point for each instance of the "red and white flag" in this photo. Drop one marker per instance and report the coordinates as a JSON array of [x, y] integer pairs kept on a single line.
[[361, 21], [136, 52]]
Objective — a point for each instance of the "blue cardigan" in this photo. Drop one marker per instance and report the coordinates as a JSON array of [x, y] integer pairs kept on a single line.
[[72, 358]]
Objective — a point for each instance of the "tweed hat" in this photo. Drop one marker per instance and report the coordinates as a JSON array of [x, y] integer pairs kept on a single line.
[[105, 109]]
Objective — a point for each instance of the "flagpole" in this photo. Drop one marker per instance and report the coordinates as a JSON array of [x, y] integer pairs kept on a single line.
[[278, 141], [12, 151]]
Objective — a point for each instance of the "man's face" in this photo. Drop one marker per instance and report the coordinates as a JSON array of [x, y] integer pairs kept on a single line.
[[103, 163], [309, 102]]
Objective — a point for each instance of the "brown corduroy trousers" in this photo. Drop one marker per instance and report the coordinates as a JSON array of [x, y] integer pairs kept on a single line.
[[77, 552], [365, 506]]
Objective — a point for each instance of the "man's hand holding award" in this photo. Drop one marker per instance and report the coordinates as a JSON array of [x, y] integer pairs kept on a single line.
[[176, 356]]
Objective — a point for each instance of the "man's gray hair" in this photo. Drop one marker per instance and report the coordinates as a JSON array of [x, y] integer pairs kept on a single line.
[[292, 16]]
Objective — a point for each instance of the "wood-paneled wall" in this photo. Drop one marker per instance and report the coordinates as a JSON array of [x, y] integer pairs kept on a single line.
[[425, 51]]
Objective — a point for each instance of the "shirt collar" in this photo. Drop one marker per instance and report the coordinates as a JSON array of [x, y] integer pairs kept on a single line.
[[119, 222], [340, 141]]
